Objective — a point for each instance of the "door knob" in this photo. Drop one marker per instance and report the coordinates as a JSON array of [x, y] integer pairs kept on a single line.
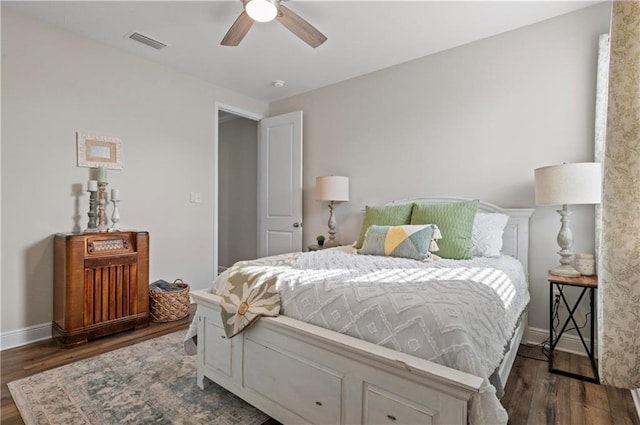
[[296, 225]]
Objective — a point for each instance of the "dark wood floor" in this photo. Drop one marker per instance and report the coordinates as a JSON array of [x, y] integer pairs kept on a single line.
[[30, 359], [533, 396]]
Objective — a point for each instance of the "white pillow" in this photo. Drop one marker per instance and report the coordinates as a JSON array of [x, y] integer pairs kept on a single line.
[[486, 236]]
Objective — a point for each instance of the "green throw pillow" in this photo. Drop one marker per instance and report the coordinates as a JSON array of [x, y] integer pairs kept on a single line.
[[389, 215], [455, 222], [400, 241]]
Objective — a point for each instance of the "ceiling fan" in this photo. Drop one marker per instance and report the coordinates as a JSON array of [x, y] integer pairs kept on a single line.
[[268, 10]]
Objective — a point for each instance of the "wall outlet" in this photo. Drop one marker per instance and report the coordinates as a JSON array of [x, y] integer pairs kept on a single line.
[[556, 293]]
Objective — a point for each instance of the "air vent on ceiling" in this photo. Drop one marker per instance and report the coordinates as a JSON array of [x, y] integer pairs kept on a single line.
[[141, 38]]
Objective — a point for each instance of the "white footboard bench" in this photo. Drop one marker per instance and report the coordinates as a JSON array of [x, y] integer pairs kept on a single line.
[[300, 373]]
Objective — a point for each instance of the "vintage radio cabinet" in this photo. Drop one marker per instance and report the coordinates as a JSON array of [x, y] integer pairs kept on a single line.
[[101, 284]]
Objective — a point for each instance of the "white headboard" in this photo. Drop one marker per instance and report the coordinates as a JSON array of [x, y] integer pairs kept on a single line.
[[516, 233]]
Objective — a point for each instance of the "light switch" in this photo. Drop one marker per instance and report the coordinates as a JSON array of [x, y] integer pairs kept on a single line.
[[195, 197]]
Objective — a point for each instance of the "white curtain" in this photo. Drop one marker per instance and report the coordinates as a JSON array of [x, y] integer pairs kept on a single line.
[[619, 233]]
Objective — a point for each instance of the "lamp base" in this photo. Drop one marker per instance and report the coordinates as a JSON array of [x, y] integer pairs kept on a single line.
[[565, 271], [565, 240], [331, 243]]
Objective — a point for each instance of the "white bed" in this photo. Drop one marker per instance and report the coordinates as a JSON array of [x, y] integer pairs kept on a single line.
[[301, 373]]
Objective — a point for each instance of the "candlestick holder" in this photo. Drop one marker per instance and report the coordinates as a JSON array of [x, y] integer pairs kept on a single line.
[[93, 215], [102, 201], [115, 217]]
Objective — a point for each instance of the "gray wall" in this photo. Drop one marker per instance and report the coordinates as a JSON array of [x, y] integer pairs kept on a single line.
[[55, 83], [473, 121], [238, 191]]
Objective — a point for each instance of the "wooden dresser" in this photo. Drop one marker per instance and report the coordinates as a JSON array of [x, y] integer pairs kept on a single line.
[[101, 284]]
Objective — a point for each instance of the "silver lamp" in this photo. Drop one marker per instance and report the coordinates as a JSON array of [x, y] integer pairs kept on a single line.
[[332, 189], [566, 184]]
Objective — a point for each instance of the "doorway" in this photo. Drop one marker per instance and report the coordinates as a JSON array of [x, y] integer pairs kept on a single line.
[[257, 199], [236, 188]]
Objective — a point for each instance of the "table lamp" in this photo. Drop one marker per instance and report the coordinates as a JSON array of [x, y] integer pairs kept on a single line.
[[332, 189], [565, 184]]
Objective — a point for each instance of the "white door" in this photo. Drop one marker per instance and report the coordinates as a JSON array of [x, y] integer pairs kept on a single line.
[[280, 184]]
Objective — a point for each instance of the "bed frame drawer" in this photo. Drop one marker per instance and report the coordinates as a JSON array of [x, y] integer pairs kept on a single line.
[[382, 407], [283, 377], [218, 350]]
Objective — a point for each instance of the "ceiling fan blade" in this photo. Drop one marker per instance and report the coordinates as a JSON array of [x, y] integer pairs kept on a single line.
[[238, 30], [303, 29]]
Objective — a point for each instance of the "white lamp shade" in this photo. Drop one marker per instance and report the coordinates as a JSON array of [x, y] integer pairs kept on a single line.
[[261, 10], [332, 188], [579, 183]]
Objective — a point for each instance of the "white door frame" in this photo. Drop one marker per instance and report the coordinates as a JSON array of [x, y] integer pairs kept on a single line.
[[236, 111]]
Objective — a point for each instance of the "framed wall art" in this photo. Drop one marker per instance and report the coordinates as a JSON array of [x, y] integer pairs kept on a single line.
[[99, 151]]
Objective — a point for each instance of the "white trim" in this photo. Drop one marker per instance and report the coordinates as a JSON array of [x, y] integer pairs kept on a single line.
[[568, 343], [237, 111], [24, 336], [636, 399]]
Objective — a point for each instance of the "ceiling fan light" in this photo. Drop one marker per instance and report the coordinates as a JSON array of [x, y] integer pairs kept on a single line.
[[262, 10]]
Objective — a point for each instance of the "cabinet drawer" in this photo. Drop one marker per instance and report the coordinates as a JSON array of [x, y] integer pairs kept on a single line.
[[218, 347], [282, 378], [382, 407]]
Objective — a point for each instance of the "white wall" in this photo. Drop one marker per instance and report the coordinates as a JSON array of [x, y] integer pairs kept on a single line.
[[238, 191], [55, 83], [473, 121]]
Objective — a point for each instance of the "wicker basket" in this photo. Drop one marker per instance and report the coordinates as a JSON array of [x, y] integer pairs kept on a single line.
[[167, 306]]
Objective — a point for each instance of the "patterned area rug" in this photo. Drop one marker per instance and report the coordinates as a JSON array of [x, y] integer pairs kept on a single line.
[[152, 382]]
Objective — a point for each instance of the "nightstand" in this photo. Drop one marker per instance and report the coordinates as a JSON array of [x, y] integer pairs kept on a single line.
[[589, 284], [316, 247]]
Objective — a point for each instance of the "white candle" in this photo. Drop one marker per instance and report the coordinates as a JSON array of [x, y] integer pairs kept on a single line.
[[92, 186], [115, 194]]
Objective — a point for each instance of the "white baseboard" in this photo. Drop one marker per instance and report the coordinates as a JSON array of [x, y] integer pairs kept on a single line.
[[19, 337], [636, 399], [222, 269], [569, 343]]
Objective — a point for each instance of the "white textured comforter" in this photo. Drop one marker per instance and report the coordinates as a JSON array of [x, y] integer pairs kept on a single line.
[[458, 313]]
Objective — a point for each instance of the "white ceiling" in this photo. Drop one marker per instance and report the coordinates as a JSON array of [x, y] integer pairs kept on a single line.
[[363, 36]]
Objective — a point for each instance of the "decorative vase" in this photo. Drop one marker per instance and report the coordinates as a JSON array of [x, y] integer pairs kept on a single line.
[[585, 264]]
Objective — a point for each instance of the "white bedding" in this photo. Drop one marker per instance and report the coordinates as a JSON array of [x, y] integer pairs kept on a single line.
[[458, 313]]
